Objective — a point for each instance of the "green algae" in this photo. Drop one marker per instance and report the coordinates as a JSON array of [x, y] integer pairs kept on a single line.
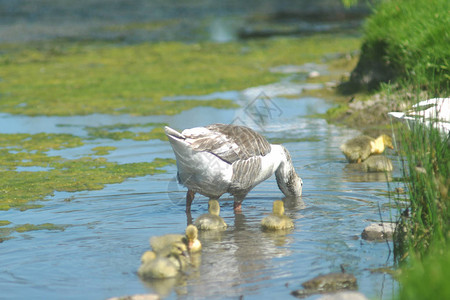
[[4, 222], [44, 226], [103, 150], [5, 232], [19, 188], [83, 79], [39, 141], [119, 132]]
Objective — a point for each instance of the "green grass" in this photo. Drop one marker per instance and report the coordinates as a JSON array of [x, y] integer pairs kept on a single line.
[[421, 243], [415, 37], [426, 166], [427, 277]]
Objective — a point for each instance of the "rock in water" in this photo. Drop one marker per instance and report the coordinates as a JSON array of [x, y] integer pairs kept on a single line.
[[327, 283]]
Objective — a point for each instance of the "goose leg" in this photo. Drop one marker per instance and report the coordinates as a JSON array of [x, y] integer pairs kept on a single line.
[[190, 195], [237, 205]]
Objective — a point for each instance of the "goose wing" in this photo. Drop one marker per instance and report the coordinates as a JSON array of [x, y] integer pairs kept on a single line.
[[230, 143]]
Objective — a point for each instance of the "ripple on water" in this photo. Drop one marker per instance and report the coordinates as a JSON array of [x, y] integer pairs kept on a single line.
[[110, 228]]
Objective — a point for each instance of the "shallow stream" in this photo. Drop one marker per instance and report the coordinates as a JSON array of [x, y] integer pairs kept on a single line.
[[98, 253]]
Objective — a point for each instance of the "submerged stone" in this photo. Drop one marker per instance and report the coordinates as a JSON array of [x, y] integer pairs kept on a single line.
[[379, 231]]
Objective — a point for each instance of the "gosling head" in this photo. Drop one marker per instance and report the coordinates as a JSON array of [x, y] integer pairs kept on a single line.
[[278, 208], [191, 235], [387, 141], [214, 207], [179, 249], [380, 143]]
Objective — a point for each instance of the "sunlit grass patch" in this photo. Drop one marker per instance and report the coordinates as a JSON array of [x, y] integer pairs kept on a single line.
[[427, 278]]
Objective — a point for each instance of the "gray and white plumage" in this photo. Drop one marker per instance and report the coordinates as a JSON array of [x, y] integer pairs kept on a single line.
[[435, 111], [219, 158]]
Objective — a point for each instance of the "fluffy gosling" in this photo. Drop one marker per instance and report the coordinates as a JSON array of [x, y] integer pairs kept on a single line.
[[190, 238], [277, 220], [211, 220], [165, 264], [360, 148]]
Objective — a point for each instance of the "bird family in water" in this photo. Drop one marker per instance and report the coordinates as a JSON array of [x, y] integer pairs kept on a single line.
[[219, 159], [211, 161], [171, 253]]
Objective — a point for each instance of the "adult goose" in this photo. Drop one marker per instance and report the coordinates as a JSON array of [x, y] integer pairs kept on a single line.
[[219, 158], [434, 112]]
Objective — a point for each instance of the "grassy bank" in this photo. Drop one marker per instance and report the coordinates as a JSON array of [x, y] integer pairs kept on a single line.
[[414, 36], [404, 46], [422, 238], [405, 40], [405, 59]]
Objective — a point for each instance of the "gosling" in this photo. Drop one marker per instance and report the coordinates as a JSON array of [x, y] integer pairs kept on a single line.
[[190, 239], [211, 220], [165, 264], [277, 220], [360, 148]]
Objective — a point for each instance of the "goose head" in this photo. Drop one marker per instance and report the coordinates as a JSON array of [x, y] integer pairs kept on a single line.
[[287, 179]]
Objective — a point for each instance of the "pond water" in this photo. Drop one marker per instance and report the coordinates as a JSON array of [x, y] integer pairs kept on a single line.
[[98, 253]]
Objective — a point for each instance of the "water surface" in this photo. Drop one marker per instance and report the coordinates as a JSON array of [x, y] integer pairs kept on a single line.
[[98, 253]]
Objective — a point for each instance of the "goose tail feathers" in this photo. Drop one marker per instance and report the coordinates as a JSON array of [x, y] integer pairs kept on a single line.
[[172, 133]]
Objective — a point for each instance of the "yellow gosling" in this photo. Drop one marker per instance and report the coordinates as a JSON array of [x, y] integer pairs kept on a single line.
[[158, 243], [168, 263], [277, 220], [191, 239], [360, 148], [211, 220]]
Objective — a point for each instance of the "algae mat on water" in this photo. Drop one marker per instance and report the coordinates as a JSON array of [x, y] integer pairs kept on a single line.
[[19, 188], [79, 79]]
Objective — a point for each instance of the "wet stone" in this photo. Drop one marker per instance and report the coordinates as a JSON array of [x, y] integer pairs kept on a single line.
[[379, 231], [327, 284], [378, 163]]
